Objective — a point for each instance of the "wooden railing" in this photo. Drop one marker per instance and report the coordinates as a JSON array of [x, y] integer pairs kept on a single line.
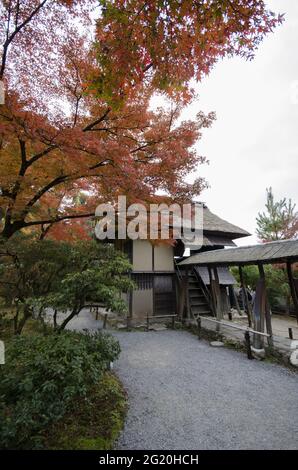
[[151, 317]]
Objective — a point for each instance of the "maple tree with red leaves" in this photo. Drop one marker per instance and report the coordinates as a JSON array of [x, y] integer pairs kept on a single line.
[[79, 77]]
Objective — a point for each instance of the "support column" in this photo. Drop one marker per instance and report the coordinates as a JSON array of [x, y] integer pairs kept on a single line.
[[257, 315], [247, 304], [219, 310], [292, 288], [187, 295], [212, 292], [130, 312], [265, 305], [217, 299], [182, 296]]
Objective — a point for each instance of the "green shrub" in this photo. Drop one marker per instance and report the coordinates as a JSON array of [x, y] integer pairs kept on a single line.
[[42, 376], [40, 274], [94, 423]]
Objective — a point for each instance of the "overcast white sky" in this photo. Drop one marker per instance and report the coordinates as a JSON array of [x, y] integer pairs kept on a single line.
[[254, 142]]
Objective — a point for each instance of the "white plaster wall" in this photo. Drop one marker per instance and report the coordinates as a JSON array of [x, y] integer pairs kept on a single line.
[[163, 258]]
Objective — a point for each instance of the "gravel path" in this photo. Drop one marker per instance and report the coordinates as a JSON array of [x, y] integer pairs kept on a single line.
[[184, 394], [84, 321]]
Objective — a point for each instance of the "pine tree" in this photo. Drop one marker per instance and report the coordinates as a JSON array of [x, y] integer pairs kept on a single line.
[[279, 221]]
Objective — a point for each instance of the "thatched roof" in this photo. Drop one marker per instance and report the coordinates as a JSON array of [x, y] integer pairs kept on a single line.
[[209, 241], [274, 252], [214, 225]]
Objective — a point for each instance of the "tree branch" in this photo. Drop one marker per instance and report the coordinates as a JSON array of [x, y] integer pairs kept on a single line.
[[98, 121], [50, 148], [61, 179], [23, 157], [14, 33], [58, 219], [41, 154]]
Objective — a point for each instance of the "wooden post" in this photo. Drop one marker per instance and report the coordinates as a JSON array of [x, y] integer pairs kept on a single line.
[[182, 297], [257, 314], [225, 302], [173, 322], [248, 345], [199, 327], [248, 306], [292, 288], [178, 291], [128, 322], [290, 333], [219, 311], [228, 302], [213, 306], [129, 316], [218, 299], [266, 307], [148, 322], [187, 295]]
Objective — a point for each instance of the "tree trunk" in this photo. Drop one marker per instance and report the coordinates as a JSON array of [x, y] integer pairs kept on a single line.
[[27, 313], [55, 319], [15, 321], [75, 311], [11, 228]]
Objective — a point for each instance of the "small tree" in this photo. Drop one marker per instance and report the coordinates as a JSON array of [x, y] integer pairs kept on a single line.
[[30, 269], [276, 282], [103, 281], [35, 274], [279, 222]]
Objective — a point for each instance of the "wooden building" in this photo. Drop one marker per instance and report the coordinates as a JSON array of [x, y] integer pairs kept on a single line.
[[158, 277]]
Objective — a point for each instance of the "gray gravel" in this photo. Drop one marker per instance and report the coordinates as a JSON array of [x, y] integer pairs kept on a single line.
[[84, 321], [184, 394]]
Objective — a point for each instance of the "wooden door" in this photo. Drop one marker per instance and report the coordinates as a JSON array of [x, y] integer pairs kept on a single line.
[[164, 294]]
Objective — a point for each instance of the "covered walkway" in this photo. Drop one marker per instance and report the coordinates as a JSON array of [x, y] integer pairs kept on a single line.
[[279, 252]]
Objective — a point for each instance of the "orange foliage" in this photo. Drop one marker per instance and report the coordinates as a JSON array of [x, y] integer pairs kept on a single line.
[[77, 115]]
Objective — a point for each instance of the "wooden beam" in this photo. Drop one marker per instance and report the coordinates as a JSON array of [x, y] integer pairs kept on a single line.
[[257, 314], [213, 306], [187, 295], [130, 308], [292, 287], [182, 297], [219, 311], [248, 345], [217, 299], [265, 306], [247, 304]]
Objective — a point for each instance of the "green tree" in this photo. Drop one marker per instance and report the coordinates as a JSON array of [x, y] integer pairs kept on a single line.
[[276, 282], [279, 221], [36, 274], [102, 277], [28, 269]]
